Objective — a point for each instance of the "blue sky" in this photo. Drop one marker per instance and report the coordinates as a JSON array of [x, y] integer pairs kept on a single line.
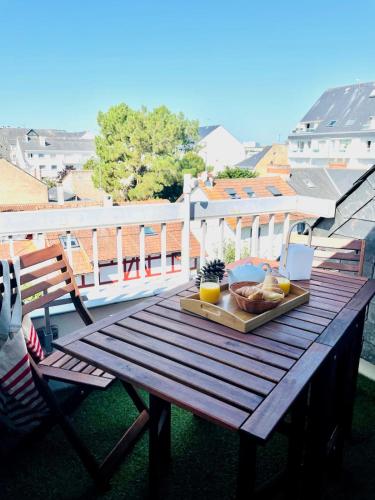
[[255, 67]]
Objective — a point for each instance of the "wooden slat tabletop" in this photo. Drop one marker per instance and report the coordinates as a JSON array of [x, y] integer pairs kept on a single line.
[[241, 381]]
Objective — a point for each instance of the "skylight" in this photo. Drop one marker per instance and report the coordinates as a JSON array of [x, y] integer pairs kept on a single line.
[[74, 243], [250, 193], [309, 183], [232, 193], [150, 231], [331, 123], [274, 191]]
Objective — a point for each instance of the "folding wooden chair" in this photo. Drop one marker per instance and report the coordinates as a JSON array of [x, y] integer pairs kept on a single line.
[[46, 276], [336, 254]]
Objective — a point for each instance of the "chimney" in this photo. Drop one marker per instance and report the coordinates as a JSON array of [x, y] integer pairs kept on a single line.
[[60, 194], [107, 200]]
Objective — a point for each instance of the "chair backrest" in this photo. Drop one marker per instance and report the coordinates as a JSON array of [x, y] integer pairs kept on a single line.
[[338, 254], [45, 277]]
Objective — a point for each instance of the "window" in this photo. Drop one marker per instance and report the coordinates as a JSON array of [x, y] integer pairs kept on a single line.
[[301, 146], [369, 145], [150, 231], [250, 193], [301, 226], [372, 93], [73, 240], [331, 123], [232, 193], [42, 167], [274, 191], [53, 167], [344, 143], [30, 155], [41, 155]]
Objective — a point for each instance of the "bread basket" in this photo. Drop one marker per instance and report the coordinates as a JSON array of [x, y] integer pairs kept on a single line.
[[251, 306]]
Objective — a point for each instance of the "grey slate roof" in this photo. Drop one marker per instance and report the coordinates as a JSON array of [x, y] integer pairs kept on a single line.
[[355, 211], [252, 161], [52, 195], [323, 182], [205, 131], [350, 106], [60, 144], [12, 133]]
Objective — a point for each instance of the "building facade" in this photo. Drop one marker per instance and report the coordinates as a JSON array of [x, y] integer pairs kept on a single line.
[[44, 153], [19, 187], [219, 148], [338, 131]]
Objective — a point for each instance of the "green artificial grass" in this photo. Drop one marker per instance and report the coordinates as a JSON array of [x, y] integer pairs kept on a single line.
[[204, 457]]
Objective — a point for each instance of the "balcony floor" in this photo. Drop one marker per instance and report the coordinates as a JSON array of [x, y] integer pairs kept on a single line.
[[204, 457]]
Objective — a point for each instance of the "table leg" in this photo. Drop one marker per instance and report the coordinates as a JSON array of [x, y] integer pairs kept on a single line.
[[349, 356], [296, 446], [159, 441], [246, 467], [321, 425]]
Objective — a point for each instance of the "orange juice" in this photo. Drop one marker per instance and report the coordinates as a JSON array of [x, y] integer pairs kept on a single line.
[[284, 284], [209, 292]]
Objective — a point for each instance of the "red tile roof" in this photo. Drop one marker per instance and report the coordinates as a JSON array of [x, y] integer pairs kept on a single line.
[[107, 245], [20, 247], [259, 186]]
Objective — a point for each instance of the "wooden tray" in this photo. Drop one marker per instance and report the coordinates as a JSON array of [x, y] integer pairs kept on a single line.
[[226, 311]]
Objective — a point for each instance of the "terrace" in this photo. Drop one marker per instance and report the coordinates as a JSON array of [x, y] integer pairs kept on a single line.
[[51, 460]]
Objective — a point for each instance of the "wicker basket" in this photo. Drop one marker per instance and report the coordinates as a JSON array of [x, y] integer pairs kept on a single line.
[[251, 306]]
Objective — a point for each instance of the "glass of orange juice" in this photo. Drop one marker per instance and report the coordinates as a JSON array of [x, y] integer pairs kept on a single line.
[[283, 281], [209, 290]]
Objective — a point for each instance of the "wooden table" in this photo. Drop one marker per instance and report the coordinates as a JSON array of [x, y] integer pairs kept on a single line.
[[244, 382]]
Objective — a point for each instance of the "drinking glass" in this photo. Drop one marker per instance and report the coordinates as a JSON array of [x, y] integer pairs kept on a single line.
[[209, 290]]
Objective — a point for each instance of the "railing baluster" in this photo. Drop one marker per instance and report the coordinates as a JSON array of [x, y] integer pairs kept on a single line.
[[255, 237], [271, 234], [11, 246], [221, 239], [286, 226], [95, 257], [185, 236], [163, 245], [202, 258], [120, 258], [142, 270], [41, 243], [69, 247], [238, 238]]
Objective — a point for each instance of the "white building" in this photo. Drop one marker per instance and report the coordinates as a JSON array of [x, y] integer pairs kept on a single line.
[[219, 148], [338, 131], [46, 152]]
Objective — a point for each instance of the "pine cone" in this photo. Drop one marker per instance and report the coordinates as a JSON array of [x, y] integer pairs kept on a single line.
[[214, 267]]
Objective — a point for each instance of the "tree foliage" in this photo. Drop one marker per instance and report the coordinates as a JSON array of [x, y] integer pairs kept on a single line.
[[142, 153], [236, 173]]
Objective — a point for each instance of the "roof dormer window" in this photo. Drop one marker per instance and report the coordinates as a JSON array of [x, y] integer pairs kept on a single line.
[[331, 123], [274, 191], [232, 193], [250, 193]]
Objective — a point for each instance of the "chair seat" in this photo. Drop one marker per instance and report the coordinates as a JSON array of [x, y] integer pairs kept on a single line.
[[61, 366]]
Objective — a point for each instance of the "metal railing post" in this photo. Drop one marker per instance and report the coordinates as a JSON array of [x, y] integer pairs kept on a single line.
[[185, 247]]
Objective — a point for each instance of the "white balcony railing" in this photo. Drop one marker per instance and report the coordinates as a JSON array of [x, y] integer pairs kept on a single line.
[[192, 215]]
